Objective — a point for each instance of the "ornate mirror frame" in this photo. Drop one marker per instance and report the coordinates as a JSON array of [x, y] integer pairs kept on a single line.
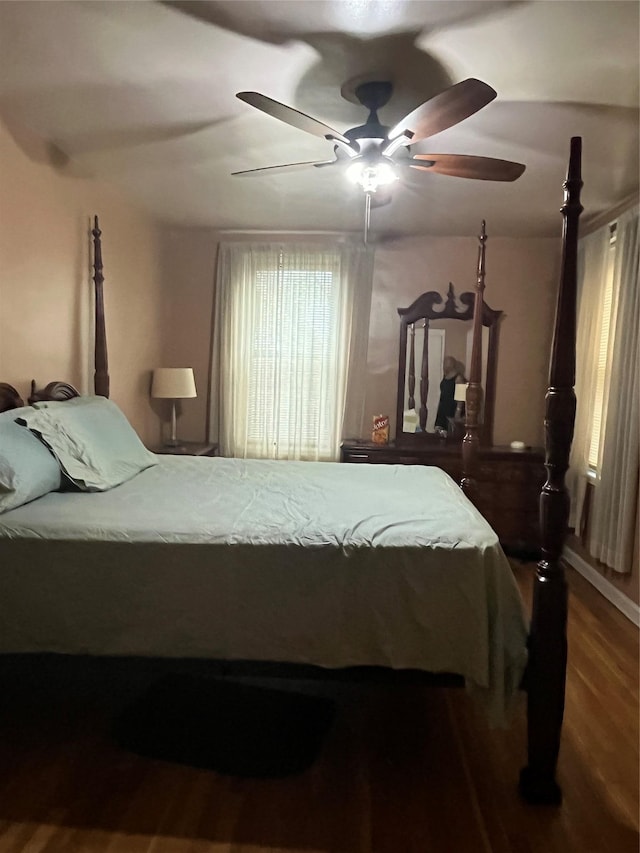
[[423, 308]]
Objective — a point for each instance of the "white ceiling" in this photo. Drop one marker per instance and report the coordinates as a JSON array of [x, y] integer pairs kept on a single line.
[[141, 94]]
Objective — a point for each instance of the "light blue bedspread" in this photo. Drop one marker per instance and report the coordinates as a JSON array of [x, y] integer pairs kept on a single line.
[[301, 562]]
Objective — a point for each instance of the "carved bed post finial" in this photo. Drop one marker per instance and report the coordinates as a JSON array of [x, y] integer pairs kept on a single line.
[[450, 304], [548, 638], [58, 391], [101, 375], [473, 401]]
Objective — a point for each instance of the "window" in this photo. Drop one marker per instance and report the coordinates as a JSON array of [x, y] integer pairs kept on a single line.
[[605, 444], [602, 354], [290, 348], [293, 371]]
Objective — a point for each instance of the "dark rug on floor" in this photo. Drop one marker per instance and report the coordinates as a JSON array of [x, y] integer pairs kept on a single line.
[[234, 729]]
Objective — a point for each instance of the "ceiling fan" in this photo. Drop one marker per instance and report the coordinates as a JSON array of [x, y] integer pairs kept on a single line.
[[374, 156]]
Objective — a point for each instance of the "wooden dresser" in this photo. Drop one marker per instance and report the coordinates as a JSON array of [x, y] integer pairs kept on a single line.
[[509, 483]]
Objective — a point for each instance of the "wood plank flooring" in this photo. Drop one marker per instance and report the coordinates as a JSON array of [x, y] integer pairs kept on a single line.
[[405, 770]]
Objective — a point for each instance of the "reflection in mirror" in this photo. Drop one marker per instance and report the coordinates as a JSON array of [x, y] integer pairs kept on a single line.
[[423, 418], [453, 373], [435, 355]]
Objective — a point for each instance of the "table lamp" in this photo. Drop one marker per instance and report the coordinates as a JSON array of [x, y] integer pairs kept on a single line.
[[173, 383], [460, 396]]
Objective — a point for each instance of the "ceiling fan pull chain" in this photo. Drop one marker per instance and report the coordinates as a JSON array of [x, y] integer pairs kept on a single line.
[[367, 216]]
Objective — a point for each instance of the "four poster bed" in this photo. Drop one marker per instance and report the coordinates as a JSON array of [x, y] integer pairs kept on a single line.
[[348, 575]]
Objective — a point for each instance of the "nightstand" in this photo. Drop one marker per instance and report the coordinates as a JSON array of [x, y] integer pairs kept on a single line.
[[188, 448]]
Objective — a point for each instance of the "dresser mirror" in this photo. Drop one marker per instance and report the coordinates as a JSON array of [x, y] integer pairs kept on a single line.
[[435, 355]]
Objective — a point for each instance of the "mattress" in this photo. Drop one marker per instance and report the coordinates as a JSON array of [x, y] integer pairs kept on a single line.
[[297, 562]]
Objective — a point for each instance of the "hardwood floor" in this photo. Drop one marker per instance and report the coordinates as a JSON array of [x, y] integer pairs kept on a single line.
[[404, 770]]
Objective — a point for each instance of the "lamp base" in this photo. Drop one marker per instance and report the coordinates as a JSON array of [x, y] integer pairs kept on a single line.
[[172, 441]]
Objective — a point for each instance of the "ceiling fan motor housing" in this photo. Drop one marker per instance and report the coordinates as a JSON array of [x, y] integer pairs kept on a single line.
[[372, 94], [366, 136]]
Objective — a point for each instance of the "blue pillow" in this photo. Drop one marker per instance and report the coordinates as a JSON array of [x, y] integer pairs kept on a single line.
[[94, 443], [27, 468]]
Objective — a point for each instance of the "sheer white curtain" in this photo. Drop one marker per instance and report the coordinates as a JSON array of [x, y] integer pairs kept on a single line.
[[592, 265], [614, 513], [290, 348]]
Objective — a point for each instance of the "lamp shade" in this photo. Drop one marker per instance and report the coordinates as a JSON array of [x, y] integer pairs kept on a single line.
[[173, 382], [460, 392]]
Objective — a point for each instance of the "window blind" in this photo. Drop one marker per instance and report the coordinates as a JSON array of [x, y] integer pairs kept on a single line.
[[290, 347], [293, 373]]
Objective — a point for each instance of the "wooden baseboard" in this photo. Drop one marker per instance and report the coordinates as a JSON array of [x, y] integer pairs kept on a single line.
[[624, 604]]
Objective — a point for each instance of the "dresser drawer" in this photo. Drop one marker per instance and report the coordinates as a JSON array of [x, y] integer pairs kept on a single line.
[[519, 472], [355, 457], [407, 459], [371, 457], [512, 495]]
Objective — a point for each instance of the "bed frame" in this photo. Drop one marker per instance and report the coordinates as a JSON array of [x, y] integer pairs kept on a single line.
[[545, 675]]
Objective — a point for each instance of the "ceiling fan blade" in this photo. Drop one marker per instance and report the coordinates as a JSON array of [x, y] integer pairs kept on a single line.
[[468, 166], [285, 167], [444, 110], [291, 116]]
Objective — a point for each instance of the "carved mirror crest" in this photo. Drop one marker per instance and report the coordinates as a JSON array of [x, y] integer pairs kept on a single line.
[[435, 353]]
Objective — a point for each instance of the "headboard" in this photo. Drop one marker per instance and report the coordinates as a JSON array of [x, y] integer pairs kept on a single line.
[[9, 397], [59, 391]]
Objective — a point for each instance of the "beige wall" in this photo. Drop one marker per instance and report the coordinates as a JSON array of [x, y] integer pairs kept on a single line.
[[188, 267], [45, 286], [522, 280]]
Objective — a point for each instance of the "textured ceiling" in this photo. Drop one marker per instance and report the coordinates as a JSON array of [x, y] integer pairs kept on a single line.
[[141, 94]]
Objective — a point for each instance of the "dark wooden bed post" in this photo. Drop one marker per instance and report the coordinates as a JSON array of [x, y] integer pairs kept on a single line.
[[548, 636], [101, 375], [473, 402], [412, 368], [424, 378]]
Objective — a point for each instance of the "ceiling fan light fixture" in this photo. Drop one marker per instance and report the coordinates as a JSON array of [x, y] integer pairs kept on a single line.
[[370, 175]]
